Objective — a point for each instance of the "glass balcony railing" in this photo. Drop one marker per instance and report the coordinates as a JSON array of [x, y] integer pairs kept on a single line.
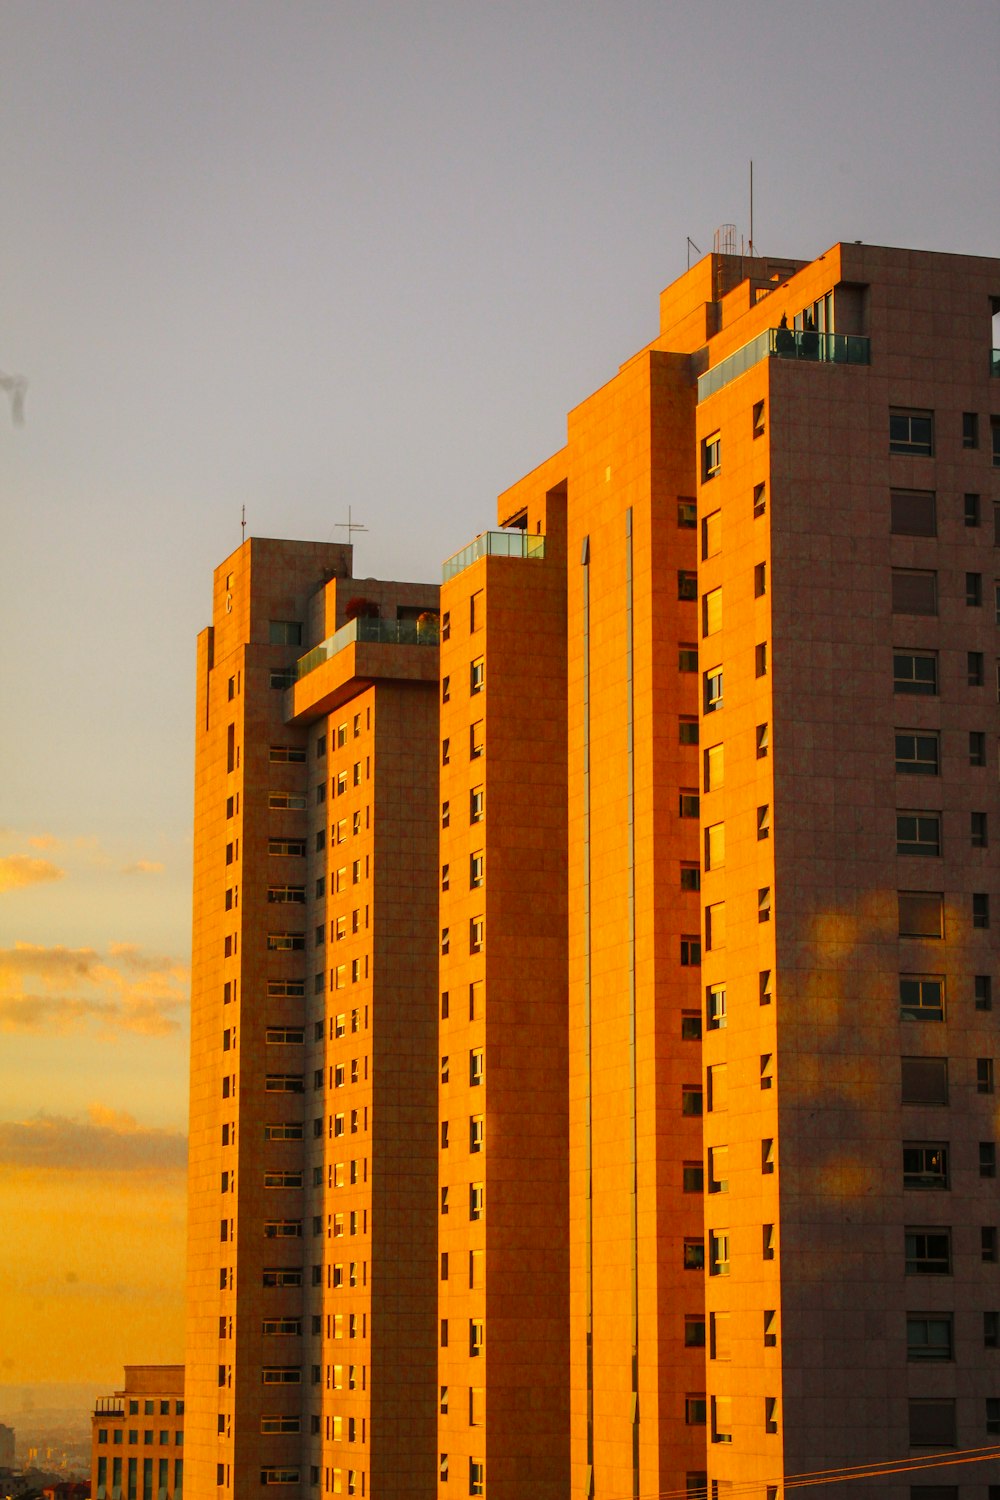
[[514, 543], [385, 632], [995, 362], [786, 343]]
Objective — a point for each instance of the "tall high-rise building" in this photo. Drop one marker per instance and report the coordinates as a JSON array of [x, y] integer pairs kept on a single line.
[[312, 1259], [694, 824]]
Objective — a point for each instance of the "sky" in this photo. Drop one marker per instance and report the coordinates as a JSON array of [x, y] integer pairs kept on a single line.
[[313, 259]]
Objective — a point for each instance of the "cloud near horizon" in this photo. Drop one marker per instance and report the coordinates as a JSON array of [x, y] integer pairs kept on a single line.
[[128, 991], [20, 870], [107, 1140], [144, 867]]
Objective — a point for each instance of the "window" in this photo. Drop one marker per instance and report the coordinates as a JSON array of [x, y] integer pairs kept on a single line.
[[477, 1476], [987, 1159], [687, 659], [294, 895], [925, 1166], [715, 845], [911, 432], [978, 830], [918, 833], [993, 1416], [770, 1328], [687, 731], [284, 1083], [921, 997], [970, 429], [918, 753], [913, 512], [714, 763], [477, 1198], [722, 1419], [476, 1133], [929, 1337], [974, 590], [695, 1410], [476, 1337], [693, 1177], [687, 514], [279, 754], [688, 804], [983, 991], [692, 1102], [476, 929], [914, 591], [984, 1075], [711, 534], [981, 910], [690, 877], [476, 866], [694, 1255], [476, 804], [690, 951], [690, 1026], [763, 741], [928, 1252], [915, 672], [718, 1252], [995, 440], [988, 1244], [759, 580], [924, 1080], [282, 678], [477, 739], [694, 1331], [711, 612], [921, 914], [711, 456], [718, 1169], [971, 510], [770, 1413], [767, 1155], [715, 926], [764, 903], [932, 1422], [687, 585], [758, 419], [764, 822], [477, 675], [720, 1347], [975, 668], [759, 499], [991, 1330], [284, 633], [476, 1066]]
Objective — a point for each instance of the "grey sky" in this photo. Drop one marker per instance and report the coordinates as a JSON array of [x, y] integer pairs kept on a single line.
[[301, 256]]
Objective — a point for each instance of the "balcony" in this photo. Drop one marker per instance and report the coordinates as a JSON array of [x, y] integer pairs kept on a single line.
[[365, 629], [514, 543], [786, 343], [109, 1406]]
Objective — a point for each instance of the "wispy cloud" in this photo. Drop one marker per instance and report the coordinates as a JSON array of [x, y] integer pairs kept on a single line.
[[144, 867], [64, 990], [44, 841], [106, 1140], [19, 870]]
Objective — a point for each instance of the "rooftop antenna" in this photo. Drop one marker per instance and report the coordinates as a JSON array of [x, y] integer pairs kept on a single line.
[[751, 207], [350, 525], [243, 521], [694, 247]]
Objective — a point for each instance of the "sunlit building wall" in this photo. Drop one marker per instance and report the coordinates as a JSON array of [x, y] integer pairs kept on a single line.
[[137, 1437]]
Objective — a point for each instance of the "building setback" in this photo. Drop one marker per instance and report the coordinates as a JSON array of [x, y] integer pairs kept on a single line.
[[137, 1437], [704, 799]]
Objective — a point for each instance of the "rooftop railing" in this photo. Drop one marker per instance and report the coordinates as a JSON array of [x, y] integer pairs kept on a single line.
[[364, 628], [804, 344], [109, 1406], [513, 543]]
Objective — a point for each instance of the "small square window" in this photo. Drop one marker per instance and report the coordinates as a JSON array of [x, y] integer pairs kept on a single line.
[[694, 1255], [913, 512], [921, 997], [912, 433], [929, 1337], [693, 1177], [690, 952], [914, 591], [918, 834], [687, 731], [924, 1080], [687, 514], [690, 1026], [918, 753]]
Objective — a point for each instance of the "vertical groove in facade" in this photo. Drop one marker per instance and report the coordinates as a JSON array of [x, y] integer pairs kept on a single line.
[[588, 1253], [633, 1146]]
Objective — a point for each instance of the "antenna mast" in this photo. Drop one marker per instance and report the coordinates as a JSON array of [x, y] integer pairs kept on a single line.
[[350, 525], [243, 521], [751, 207]]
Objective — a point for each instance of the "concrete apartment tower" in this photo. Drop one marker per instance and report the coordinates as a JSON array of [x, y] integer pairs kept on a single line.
[[312, 1257], [781, 531]]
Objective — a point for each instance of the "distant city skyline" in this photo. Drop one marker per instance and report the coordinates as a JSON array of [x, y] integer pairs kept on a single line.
[[304, 260]]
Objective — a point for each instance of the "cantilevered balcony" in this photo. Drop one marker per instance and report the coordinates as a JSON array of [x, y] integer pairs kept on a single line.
[[513, 543], [804, 344], [363, 650]]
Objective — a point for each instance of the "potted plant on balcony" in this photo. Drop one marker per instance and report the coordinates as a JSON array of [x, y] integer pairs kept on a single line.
[[360, 608], [428, 623]]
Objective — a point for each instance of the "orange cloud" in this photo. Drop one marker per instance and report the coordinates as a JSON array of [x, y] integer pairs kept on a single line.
[[129, 991], [19, 870], [45, 841], [107, 1140], [144, 867]]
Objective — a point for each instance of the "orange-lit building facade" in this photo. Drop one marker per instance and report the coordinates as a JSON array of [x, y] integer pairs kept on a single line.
[[707, 881], [312, 1251], [137, 1437]]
